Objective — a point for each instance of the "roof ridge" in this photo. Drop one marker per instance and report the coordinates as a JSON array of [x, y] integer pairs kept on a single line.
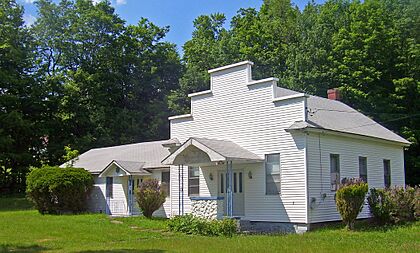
[[129, 144]]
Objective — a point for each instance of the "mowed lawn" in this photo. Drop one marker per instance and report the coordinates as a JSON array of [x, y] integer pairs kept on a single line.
[[28, 231]]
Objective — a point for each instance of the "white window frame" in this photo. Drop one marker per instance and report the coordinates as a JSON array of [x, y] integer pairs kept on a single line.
[[193, 178], [271, 174]]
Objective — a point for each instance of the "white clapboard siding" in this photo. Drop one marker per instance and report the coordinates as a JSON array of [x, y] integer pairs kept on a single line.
[[248, 116], [349, 150], [96, 200]]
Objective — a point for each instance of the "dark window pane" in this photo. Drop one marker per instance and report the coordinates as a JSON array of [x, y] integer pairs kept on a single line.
[[335, 171], [165, 184], [234, 182], [240, 181], [222, 183], [109, 185], [363, 168], [387, 173]]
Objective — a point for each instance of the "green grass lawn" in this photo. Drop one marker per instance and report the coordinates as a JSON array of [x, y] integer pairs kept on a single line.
[[28, 231]]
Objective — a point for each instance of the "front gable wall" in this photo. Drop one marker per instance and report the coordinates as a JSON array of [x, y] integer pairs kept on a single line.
[[245, 114], [114, 171]]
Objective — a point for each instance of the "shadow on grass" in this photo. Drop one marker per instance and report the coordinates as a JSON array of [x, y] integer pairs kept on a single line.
[[14, 203], [124, 251], [21, 248], [367, 225]]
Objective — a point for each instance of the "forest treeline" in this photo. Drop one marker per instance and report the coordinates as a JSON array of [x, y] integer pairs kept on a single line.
[[80, 76]]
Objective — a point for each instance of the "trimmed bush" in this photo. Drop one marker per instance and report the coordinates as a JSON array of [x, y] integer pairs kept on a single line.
[[150, 197], [349, 199], [394, 205], [380, 205], [56, 190], [190, 224]]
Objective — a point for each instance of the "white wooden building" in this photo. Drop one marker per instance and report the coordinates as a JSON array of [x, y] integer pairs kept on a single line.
[[252, 150]]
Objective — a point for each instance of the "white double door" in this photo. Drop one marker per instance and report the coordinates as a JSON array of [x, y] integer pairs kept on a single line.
[[238, 191]]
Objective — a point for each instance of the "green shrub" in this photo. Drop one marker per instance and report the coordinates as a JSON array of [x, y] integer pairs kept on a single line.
[[190, 224], [150, 196], [380, 205], [394, 205], [349, 199], [403, 203], [417, 203], [58, 190]]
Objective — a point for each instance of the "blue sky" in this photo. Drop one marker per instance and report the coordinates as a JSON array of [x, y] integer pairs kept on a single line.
[[178, 14]]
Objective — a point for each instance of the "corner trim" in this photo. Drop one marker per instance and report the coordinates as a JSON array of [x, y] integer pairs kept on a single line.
[[200, 93], [230, 66], [300, 95], [184, 116], [265, 80]]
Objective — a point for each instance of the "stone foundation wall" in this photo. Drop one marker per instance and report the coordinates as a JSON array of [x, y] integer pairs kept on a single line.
[[257, 227], [208, 208]]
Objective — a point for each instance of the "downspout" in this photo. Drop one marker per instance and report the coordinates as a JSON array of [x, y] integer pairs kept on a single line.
[[130, 194], [182, 188], [179, 189], [229, 195], [308, 200], [231, 192], [227, 190]]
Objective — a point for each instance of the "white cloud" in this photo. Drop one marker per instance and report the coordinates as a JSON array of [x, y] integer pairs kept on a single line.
[[121, 2], [30, 1], [29, 19]]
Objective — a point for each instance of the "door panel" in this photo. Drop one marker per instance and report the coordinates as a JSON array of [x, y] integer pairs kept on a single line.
[[237, 191]]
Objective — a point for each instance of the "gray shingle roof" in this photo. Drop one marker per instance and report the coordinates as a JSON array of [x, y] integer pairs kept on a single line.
[[149, 153], [227, 149], [132, 167], [335, 115], [217, 150]]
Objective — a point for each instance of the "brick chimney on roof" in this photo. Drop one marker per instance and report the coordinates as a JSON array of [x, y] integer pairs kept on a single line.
[[334, 94]]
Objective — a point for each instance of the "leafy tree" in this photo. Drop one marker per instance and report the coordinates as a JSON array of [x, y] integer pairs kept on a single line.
[[19, 99], [109, 80], [71, 155]]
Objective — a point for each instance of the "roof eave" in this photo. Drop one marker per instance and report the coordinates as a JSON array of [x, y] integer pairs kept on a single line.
[[330, 131]]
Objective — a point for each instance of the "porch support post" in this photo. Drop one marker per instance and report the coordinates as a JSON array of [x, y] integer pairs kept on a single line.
[[229, 195], [130, 194]]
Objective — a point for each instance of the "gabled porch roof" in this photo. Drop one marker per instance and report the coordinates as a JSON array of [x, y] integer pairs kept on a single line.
[[203, 150], [129, 167]]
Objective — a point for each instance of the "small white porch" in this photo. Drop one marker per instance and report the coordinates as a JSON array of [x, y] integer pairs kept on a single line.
[[220, 164], [121, 178]]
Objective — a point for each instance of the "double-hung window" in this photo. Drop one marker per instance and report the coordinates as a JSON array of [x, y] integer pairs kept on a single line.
[[193, 181], [363, 168], [165, 182], [335, 171], [272, 174], [387, 173]]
